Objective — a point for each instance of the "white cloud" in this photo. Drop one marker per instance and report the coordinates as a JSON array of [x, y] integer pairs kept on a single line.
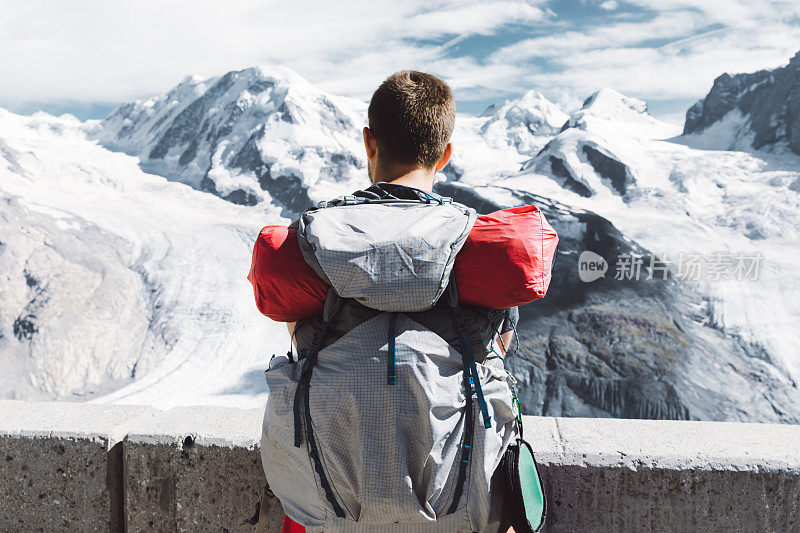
[[659, 49], [481, 19], [675, 53], [103, 50]]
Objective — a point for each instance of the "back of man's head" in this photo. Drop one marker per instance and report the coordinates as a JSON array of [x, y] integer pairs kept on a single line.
[[411, 115]]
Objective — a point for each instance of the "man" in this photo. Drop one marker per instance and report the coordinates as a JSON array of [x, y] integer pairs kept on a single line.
[[411, 119]]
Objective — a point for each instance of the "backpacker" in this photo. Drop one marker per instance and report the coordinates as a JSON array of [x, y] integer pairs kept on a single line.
[[369, 428]]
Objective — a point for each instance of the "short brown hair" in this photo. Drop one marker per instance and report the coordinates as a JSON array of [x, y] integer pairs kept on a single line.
[[411, 116]]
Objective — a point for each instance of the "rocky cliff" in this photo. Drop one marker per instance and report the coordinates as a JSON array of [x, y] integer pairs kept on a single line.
[[761, 109]]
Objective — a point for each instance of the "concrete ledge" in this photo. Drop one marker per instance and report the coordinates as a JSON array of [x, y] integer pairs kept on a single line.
[[647, 475], [104, 467], [61, 465], [191, 469]]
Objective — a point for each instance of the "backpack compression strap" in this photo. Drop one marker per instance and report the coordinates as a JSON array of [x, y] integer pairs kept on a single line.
[[391, 371], [466, 346], [301, 398], [469, 372]]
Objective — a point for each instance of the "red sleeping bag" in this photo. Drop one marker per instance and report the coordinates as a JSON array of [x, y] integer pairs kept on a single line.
[[505, 262]]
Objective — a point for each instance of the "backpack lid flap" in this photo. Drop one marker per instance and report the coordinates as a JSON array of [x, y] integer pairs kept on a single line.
[[390, 256]]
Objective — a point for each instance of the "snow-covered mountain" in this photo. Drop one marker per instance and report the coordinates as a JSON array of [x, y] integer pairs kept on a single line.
[[684, 201], [599, 150], [744, 111], [128, 283], [523, 122], [267, 136], [645, 347], [254, 136]]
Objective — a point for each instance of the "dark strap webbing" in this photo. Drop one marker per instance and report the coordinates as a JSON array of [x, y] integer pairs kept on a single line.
[[304, 380], [471, 379], [301, 397], [314, 453], [466, 348], [333, 303], [474, 378], [391, 373], [515, 401], [466, 451], [515, 338]]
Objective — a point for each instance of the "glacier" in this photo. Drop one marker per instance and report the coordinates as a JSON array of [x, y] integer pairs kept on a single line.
[[128, 284]]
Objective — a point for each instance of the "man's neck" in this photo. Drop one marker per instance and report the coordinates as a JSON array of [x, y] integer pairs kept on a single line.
[[419, 178]]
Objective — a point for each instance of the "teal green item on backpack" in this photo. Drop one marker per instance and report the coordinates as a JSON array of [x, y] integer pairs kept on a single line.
[[531, 484], [524, 502]]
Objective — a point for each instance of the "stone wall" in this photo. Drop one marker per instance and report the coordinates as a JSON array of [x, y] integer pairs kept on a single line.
[[89, 467]]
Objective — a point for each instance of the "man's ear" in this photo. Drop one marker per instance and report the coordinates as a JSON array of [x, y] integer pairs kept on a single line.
[[370, 144], [448, 151]]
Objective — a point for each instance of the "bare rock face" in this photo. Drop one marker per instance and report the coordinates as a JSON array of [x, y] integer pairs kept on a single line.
[[609, 168], [629, 348], [768, 101], [580, 162]]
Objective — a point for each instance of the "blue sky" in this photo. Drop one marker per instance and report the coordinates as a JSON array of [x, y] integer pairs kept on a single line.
[[87, 57]]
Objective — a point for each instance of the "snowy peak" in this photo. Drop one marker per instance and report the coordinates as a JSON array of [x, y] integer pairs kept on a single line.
[[756, 110], [596, 151], [610, 112], [133, 118], [532, 112], [609, 103], [520, 126], [252, 136]]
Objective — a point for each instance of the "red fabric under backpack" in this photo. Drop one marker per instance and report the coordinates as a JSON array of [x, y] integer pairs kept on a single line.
[[506, 261], [290, 526]]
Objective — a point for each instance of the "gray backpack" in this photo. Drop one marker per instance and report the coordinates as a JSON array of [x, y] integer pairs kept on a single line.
[[370, 428]]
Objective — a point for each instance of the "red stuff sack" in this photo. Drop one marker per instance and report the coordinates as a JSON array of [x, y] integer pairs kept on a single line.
[[285, 287], [507, 259], [505, 262], [290, 526]]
